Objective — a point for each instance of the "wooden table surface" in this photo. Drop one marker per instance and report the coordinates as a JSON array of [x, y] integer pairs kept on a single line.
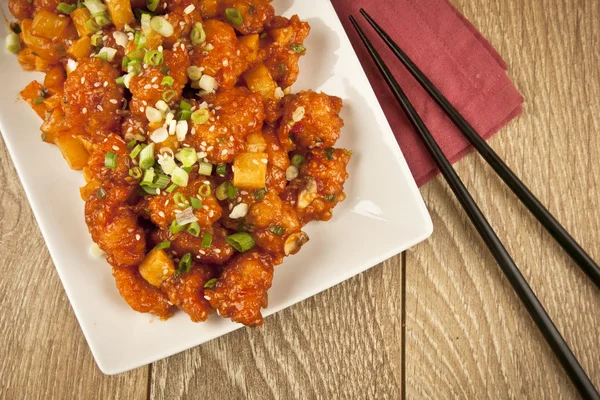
[[439, 321]]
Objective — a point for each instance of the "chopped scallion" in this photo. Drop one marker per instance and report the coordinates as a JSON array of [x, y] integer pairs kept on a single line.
[[167, 81], [298, 48], [196, 203], [187, 156], [154, 58], [66, 8], [110, 160], [241, 241], [204, 190], [234, 16], [201, 116], [101, 193], [180, 177], [185, 263], [277, 230], [163, 245], [329, 153], [193, 229], [205, 168], [135, 172], [259, 194], [197, 36], [210, 284], [207, 239], [175, 227], [136, 150], [298, 160], [221, 169], [152, 5], [169, 95], [147, 157]]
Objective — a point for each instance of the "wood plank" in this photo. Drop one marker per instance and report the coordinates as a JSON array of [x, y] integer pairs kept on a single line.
[[344, 343], [467, 335], [43, 353]]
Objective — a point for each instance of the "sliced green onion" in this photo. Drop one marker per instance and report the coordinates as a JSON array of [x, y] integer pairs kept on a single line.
[[150, 190], [187, 156], [163, 245], [175, 227], [110, 160], [66, 8], [207, 239], [231, 191], [135, 172], [167, 81], [103, 19], [193, 229], [147, 157], [187, 169], [196, 203], [221, 169], [101, 193], [103, 56], [162, 26], [205, 169], [38, 100], [298, 48], [221, 191], [234, 16], [169, 95], [329, 153], [136, 55], [210, 284], [298, 160], [184, 105], [152, 5], [204, 190], [148, 178], [194, 73], [161, 181], [185, 263], [120, 81], [95, 6], [198, 36], [92, 25], [183, 115], [241, 241], [96, 40], [172, 188], [154, 58], [136, 150], [259, 194], [277, 230], [131, 144], [201, 116], [180, 177], [330, 197], [180, 200], [165, 70], [263, 35]]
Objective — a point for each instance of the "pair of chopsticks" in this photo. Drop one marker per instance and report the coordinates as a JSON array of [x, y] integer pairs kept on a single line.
[[511, 271]]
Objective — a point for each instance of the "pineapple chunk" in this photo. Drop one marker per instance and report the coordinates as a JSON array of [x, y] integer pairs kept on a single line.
[[250, 170], [73, 151], [157, 267], [255, 143], [252, 43], [259, 80], [120, 12]]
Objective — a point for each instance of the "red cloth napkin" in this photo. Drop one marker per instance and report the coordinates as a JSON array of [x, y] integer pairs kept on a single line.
[[455, 57]]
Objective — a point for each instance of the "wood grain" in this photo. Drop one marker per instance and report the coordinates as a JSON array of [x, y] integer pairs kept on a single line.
[[466, 334], [43, 354]]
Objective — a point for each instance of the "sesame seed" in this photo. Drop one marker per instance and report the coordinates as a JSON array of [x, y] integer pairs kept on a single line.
[[82, 80], [105, 84], [148, 86], [84, 110], [113, 101], [255, 162], [218, 251], [115, 148], [97, 84], [99, 107], [202, 252], [205, 207], [210, 148], [211, 214], [138, 237], [264, 161], [161, 214]]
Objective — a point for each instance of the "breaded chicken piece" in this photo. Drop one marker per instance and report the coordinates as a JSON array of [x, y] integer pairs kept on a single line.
[[272, 222], [186, 291], [255, 14], [285, 49], [146, 87], [278, 160], [310, 120], [120, 174], [320, 185], [226, 60], [49, 5], [20, 9], [235, 114], [241, 290], [114, 226], [163, 208], [93, 98], [218, 252], [140, 295]]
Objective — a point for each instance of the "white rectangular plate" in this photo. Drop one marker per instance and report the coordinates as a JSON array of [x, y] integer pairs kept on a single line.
[[382, 216]]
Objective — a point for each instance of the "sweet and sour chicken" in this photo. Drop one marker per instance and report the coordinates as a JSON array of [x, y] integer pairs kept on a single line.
[[202, 165]]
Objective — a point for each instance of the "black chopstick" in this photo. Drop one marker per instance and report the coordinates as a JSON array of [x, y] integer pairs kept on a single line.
[[506, 263], [560, 234]]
